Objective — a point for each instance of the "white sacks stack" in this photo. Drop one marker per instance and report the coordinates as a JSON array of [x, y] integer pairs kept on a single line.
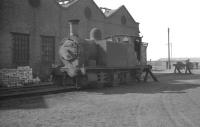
[[16, 77]]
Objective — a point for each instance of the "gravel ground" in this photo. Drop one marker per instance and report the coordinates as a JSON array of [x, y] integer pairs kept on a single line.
[[174, 101]]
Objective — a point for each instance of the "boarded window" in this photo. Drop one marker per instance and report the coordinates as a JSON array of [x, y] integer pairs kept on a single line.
[[20, 49], [48, 49]]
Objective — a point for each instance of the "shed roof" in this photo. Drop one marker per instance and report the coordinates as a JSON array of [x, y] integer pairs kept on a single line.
[[107, 14], [67, 3], [110, 12]]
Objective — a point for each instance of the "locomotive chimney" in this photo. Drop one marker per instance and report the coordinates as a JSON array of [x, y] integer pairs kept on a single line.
[[73, 25]]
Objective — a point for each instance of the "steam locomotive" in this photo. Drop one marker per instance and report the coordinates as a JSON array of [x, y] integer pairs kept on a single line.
[[110, 61]]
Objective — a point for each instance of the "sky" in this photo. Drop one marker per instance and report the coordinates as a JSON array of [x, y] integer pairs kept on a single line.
[[182, 17]]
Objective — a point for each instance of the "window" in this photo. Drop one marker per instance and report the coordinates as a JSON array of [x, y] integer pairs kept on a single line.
[[20, 49], [95, 34], [123, 20], [87, 12], [48, 49]]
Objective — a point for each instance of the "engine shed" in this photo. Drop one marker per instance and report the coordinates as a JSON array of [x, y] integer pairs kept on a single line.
[[31, 31]]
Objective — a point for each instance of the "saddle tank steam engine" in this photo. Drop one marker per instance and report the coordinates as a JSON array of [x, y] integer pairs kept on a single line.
[[111, 61]]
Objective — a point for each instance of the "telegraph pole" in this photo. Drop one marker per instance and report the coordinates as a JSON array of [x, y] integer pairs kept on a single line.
[[169, 62], [171, 49]]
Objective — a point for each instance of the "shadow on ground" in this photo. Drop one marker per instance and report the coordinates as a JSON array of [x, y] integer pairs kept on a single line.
[[23, 103], [168, 83]]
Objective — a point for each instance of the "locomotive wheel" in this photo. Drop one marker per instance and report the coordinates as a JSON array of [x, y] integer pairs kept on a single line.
[[83, 81], [109, 79]]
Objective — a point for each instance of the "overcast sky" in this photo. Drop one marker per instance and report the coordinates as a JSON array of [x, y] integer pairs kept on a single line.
[[155, 16]]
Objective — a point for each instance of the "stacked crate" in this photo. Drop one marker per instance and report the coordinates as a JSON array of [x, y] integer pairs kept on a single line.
[[16, 77]]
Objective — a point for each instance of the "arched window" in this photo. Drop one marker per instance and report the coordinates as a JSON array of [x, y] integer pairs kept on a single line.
[[123, 20], [95, 34], [87, 12]]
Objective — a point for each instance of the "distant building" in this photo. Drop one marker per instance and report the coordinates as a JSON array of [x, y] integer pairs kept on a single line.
[[30, 30], [162, 63]]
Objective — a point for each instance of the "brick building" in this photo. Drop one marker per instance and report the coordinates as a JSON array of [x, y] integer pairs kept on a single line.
[[31, 30]]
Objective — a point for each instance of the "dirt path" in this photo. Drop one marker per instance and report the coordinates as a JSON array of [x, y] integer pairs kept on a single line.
[[173, 102]]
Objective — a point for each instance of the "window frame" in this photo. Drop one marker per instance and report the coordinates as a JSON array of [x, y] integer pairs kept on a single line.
[[20, 53], [45, 55]]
